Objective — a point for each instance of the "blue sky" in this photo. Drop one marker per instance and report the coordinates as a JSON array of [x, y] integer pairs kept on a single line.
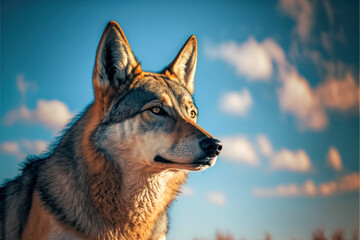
[[276, 81]]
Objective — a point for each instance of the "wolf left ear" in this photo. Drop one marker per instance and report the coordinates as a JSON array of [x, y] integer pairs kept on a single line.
[[184, 65], [115, 65]]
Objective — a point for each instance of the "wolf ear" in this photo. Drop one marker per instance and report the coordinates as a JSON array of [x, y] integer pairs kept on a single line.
[[184, 65], [115, 65]]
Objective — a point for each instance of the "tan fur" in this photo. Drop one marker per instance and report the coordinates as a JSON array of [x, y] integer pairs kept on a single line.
[[38, 216], [94, 160], [166, 99], [41, 224]]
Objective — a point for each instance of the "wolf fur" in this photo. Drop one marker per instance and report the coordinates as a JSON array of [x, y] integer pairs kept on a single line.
[[116, 169]]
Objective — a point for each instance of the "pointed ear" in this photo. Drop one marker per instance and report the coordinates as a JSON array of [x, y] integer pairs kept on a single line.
[[184, 65], [115, 65]]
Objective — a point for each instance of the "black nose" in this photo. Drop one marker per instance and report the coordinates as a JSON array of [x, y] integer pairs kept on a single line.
[[211, 147]]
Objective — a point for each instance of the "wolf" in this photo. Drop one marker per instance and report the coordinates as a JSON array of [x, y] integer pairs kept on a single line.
[[120, 164]]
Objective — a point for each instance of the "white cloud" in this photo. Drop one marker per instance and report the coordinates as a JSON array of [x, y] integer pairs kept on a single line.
[[339, 93], [187, 191], [286, 190], [298, 98], [264, 145], [239, 149], [295, 94], [23, 86], [302, 12], [10, 147], [348, 183], [237, 103], [334, 159], [34, 146], [327, 188], [309, 188], [216, 198], [250, 59], [23, 147], [308, 104], [285, 159], [53, 114]]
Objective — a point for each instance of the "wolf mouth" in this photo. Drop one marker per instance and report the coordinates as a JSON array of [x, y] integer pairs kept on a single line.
[[205, 161]]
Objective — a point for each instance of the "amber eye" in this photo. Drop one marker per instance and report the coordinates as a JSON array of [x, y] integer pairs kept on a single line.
[[192, 114], [158, 111]]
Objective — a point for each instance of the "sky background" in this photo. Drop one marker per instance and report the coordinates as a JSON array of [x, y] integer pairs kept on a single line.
[[276, 81]]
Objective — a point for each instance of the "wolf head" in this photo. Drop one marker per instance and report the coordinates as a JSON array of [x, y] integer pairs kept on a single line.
[[148, 120]]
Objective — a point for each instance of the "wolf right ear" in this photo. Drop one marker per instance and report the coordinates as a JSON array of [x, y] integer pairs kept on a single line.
[[184, 65], [115, 64]]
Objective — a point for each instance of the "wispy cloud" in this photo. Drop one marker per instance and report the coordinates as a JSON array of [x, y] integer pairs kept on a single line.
[[23, 147], [237, 103], [302, 12], [216, 198], [339, 93], [24, 86], [330, 37], [295, 95], [285, 159], [264, 145], [298, 98], [52, 114], [348, 183], [329, 11], [239, 149], [34, 146], [12, 148], [187, 191], [334, 159]]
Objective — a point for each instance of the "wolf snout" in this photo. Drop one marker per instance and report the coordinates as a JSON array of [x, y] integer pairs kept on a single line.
[[211, 146]]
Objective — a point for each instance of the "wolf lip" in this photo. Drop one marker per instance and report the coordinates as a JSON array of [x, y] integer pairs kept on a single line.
[[163, 160]]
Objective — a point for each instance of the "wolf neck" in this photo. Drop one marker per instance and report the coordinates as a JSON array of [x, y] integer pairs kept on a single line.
[[133, 204]]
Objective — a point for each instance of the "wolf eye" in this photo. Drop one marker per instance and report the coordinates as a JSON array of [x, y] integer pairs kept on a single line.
[[157, 110], [192, 114]]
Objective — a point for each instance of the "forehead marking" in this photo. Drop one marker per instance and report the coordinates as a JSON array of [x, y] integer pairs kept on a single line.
[[188, 102], [167, 100]]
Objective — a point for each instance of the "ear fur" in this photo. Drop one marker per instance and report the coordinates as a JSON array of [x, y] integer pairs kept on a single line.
[[184, 65], [115, 64]]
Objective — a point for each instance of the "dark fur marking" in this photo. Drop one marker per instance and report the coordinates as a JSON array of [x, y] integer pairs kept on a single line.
[[3, 191], [108, 65], [23, 187]]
